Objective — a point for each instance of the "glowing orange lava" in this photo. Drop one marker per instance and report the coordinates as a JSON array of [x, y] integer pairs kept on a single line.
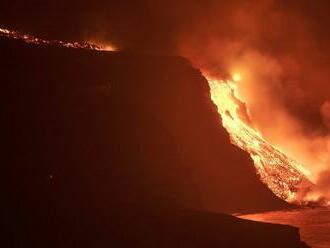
[[284, 176], [38, 41]]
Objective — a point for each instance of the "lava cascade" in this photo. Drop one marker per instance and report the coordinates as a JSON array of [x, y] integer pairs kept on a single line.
[[38, 41], [285, 177]]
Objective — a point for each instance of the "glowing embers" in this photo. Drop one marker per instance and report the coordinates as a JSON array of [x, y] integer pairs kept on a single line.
[[34, 40], [284, 176]]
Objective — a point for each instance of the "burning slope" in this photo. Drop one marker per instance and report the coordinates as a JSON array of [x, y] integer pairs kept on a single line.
[[284, 176]]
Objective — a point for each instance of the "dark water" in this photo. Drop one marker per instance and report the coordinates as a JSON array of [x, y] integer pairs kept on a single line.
[[314, 224]]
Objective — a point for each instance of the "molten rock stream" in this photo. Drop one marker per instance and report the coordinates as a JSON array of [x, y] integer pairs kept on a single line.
[[285, 177], [38, 41]]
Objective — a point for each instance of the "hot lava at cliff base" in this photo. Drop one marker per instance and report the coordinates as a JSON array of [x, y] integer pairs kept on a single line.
[[285, 177]]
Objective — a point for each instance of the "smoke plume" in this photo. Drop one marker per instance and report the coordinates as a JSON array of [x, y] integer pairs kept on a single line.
[[284, 74]]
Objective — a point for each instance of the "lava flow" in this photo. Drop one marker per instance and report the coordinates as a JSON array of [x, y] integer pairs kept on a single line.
[[38, 41], [285, 177]]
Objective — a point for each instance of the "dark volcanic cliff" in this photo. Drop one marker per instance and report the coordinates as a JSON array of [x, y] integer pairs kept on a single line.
[[105, 148]]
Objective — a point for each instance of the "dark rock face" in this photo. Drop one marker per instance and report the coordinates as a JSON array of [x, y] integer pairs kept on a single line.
[[99, 145]]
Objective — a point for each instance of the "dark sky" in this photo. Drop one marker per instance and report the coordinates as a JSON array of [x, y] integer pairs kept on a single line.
[[127, 23]]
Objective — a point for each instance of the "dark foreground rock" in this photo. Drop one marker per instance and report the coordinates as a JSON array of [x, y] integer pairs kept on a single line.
[[166, 229], [99, 145]]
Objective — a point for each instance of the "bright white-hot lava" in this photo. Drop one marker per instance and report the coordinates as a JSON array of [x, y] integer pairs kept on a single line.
[[285, 177]]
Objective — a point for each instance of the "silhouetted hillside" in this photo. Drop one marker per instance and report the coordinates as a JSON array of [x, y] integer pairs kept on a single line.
[[99, 145]]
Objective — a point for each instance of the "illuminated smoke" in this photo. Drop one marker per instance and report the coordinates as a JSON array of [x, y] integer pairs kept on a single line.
[[283, 79]]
